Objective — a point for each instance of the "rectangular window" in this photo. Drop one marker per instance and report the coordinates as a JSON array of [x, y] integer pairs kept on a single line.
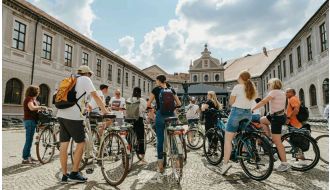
[[279, 72], [84, 58], [133, 81], [299, 56], [270, 76], [309, 48], [139, 83], [144, 86], [119, 76], [47, 47], [148, 87], [68, 55], [126, 79], [110, 72], [291, 64], [267, 83], [98, 67], [323, 37], [284, 68], [19, 35], [274, 75]]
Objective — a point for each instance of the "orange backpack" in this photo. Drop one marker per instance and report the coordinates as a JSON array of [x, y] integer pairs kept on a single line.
[[65, 96]]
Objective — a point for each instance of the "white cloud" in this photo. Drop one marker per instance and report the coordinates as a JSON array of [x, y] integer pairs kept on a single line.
[[76, 14]]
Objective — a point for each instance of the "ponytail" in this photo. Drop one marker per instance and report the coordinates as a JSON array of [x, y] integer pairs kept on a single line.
[[250, 90]]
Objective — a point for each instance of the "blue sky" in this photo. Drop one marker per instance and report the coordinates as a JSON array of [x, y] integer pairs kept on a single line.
[[171, 33]]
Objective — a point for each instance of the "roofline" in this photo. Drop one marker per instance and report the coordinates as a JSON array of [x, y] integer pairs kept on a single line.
[[84, 39], [155, 66], [323, 6]]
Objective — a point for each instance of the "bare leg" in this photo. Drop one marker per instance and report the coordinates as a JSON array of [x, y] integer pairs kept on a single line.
[[229, 136], [280, 148], [64, 157], [77, 156]]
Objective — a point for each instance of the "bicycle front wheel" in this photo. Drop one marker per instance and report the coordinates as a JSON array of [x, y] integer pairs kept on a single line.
[[114, 159], [255, 156], [323, 141], [302, 151], [194, 139], [213, 147], [45, 148]]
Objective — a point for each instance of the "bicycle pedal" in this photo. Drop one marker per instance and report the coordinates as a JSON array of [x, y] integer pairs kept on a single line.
[[89, 170]]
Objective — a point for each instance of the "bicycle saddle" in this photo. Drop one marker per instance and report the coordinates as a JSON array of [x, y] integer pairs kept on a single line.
[[93, 115], [130, 120], [171, 119], [242, 124], [109, 116]]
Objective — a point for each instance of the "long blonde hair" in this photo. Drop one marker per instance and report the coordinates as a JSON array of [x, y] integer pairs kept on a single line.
[[213, 98], [250, 89]]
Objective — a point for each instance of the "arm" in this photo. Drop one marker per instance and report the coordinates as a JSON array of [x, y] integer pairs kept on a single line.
[[177, 101], [99, 102], [151, 98], [32, 107], [262, 102]]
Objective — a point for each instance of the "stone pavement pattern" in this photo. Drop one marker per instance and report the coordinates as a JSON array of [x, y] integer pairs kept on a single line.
[[198, 174]]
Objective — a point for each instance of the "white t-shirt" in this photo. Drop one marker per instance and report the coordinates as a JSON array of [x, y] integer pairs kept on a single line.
[[93, 103], [241, 100], [142, 106], [84, 84], [192, 111], [119, 103]]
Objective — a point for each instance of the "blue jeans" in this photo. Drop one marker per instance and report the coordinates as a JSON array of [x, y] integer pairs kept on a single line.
[[30, 128], [160, 127], [237, 115]]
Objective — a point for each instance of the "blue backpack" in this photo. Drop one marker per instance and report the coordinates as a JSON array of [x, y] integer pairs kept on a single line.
[[166, 101]]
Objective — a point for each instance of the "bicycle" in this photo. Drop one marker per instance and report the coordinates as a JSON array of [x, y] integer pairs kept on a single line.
[[174, 147], [256, 161], [296, 143], [131, 138], [324, 140], [111, 153], [195, 134], [47, 138]]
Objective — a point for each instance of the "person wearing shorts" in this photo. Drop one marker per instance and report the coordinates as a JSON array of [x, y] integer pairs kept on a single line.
[[276, 118], [71, 124], [241, 99]]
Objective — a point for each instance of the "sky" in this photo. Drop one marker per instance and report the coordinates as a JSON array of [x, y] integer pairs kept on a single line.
[[172, 33]]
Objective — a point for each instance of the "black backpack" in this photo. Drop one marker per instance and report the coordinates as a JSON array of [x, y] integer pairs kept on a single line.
[[303, 113]]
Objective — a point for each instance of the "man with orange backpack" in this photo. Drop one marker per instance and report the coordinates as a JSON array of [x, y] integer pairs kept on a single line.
[[70, 101]]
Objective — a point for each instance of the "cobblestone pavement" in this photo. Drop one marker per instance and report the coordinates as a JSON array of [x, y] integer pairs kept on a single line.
[[198, 174]]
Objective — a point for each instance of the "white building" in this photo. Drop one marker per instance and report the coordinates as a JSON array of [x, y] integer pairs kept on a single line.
[[41, 50]]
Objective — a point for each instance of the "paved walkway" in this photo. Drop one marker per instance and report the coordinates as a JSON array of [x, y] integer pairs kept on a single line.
[[198, 174]]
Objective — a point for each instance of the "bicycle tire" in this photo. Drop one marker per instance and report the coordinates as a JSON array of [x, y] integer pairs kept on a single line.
[[177, 172], [149, 136], [200, 139], [40, 143], [184, 147], [317, 140], [215, 137], [315, 147], [267, 151], [121, 149]]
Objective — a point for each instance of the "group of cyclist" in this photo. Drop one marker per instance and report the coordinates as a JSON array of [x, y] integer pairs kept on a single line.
[[284, 106]]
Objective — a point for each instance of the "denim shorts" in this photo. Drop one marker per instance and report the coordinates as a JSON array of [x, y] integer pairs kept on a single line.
[[236, 116], [256, 118]]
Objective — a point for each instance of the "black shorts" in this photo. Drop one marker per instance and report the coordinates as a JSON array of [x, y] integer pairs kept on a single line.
[[71, 128], [276, 123]]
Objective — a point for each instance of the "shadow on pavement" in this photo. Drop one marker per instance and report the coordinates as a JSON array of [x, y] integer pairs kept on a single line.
[[18, 168]]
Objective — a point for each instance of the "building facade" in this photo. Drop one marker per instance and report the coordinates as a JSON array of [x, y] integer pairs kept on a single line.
[[40, 50], [304, 63]]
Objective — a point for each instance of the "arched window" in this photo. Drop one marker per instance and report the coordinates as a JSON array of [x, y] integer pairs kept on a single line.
[[312, 95], [44, 94], [14, 90], [302, 96], [217, 77], [206, 78], [195, 78], [325, 90]]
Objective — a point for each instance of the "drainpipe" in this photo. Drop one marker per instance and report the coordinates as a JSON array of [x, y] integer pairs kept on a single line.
[[122, 81], [34, 49]]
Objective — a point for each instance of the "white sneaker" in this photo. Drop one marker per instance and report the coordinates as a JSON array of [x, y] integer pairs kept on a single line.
[[283, 167], [302, 162], [225, 168]]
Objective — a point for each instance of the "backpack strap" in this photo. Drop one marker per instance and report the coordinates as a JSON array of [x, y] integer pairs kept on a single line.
[[79, 99]]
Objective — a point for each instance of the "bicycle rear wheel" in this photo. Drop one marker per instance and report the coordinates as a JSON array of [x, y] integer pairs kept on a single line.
[[323, 141], [255, 157], [45, 148], [302, 156], [213, 147], [194, 139], [150, 137], [177, 167], [114, 159]]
